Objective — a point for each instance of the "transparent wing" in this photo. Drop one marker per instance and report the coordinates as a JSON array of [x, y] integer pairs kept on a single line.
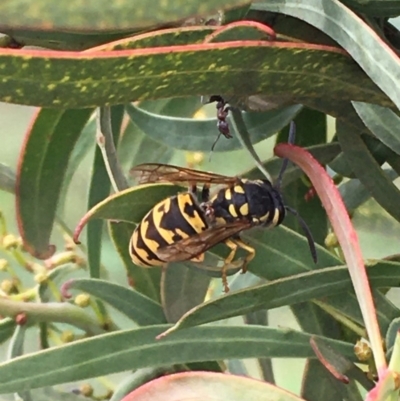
[[156, 172], [197, 244]]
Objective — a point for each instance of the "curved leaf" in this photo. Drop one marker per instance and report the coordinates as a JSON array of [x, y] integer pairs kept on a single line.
[[136, 306], [375, 57], [7, 327], [88, 79], [382, 122], [354, 193], [138, 348], [324, 153], [85, 143], [42, 165], [205, 386], [199, 135], [182, 289], [368, 171], [146, 281], [130, 205], [286, 291], [166, 37], [101, 15], [375, 8]]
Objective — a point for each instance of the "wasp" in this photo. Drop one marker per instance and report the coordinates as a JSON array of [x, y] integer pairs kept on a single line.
[[185, 226]]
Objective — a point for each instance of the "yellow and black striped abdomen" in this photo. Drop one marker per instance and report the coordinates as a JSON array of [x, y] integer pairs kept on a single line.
[[169, 221]]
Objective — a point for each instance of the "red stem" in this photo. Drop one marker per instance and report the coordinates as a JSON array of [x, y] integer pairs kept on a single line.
[[347, 237]]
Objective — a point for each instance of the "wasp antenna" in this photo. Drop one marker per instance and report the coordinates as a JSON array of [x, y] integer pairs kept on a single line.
[[307, 232], [291, 138], [292, 133]]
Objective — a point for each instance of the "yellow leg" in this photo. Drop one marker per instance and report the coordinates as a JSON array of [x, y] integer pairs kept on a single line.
[[234, 244], [251, 253]]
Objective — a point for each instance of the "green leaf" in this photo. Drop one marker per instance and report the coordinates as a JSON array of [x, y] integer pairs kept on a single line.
[[165, 37], [173, 107], [368, 171], [15, 349], [94, 15], [354, 193], [135, 148], [265, 364], [99, 189], [136, 306], [146, 281], [61, 40], [242, 133], [138, 348], [206, 385], [378, 60], [42, 166], [286, 291], [57, 274], [310, 131], [7, 327], [85, 143], [375, 8], [324, 153], [319, 384], [130, 205], [382, 122], [7, 178], [340, 364], [182, 288], [89, 79], [282, 252], [50, 394], [199, 135]]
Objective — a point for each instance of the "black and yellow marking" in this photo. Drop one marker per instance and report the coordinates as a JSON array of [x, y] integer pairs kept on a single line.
[[257, 201], [179, 228], [171, 220]]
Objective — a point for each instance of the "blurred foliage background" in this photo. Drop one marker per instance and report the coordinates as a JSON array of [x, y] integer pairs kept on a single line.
[[186, 288]]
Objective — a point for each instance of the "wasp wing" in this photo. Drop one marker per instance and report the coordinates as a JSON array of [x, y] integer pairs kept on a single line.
[[197, 244], [156, 172]]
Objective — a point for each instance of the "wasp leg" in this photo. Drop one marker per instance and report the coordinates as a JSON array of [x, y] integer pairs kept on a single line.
[[251, 253], [234, 244]]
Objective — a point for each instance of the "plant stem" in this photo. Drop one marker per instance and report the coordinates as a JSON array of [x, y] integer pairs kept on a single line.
[[51, 312], [105, 142], [348, 240]]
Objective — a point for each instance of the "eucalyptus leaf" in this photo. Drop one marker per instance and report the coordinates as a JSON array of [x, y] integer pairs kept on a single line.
[[199, 135], [138, 348]]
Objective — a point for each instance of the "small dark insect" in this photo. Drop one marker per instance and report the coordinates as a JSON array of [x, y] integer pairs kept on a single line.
[[185, 226], [222, 114]]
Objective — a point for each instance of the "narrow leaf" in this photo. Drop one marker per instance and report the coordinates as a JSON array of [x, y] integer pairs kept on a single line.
[[136, 306], [42, 165], [77, 80], [199, 134], [146, 281], [137, 348], [368, 171], [286, 291], [382, 122], [375, 57], [102, 15], [182, 288]]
